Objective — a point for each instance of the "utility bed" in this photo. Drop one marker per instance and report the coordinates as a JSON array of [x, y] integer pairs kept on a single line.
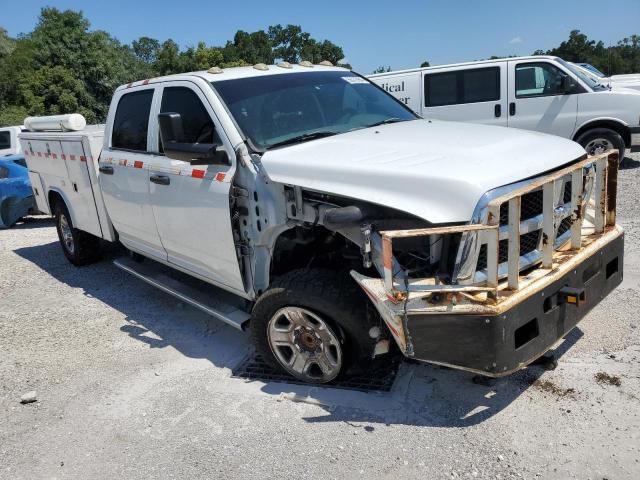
[[66, 163]]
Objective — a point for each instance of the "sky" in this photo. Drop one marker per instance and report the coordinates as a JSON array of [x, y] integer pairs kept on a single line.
[[395, 33]]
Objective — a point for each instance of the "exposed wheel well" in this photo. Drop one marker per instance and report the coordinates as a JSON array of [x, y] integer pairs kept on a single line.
[[611, 124], [303, 247]]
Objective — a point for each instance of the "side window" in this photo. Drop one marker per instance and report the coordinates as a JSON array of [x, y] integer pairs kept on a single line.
[[5, 140], [4, 172], [481, 85], [197, 124], [462, 86], [131, 122], [538, 79], [441, 89]]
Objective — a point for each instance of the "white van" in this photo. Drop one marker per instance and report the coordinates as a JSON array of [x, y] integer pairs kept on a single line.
[[9, 144], [627, 80], [542, 93]]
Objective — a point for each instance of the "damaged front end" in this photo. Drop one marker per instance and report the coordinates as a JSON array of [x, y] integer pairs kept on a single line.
[[535, 259]]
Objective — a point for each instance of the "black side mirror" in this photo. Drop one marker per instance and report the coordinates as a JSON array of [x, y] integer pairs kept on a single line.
[[568, 84], [172, 138]]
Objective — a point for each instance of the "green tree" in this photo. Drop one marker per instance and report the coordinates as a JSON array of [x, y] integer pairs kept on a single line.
[[382, 69], [146, 49], [425, 64]]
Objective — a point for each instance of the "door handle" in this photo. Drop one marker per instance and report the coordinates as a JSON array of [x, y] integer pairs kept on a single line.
[[512, 108], [497, 110], [160, 179], [106, 169]]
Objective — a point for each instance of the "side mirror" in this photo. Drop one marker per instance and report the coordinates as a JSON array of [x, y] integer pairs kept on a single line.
[[568, 84], [172, 138]]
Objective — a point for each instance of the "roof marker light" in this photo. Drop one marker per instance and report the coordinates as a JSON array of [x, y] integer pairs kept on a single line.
[[326, 63], [260, 66], [306, 63], [215, 70], [284, 65]]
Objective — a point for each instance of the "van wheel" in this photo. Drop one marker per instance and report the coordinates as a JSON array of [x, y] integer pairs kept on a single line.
[[313, 324], [79, 247], [599, 140]]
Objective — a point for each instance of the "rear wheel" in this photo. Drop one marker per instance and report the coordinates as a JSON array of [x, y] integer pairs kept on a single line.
[[599, 140], [314, 325], [79, 247]]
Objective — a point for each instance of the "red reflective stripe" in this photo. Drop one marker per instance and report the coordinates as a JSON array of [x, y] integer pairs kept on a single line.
[[83, 158], [54, 155], [39, 154], [220, 176], [72, 157], [138, 164], [122, 163], [63, 156], [197, 173]]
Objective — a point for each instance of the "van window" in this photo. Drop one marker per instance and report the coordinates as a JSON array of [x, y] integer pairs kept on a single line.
[[5, 140], [131, 122], [196, 122], [538, 79], [462, 86]]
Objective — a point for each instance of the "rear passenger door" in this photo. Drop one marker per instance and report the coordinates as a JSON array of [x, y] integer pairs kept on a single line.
[[191, 202], [537, 100], [123, 174], [477, 95]]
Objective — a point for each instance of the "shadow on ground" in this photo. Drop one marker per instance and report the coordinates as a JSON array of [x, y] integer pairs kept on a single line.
[[422, 394], [628, 163]]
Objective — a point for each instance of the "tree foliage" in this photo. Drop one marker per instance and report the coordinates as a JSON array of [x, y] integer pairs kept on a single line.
[[62, 66]]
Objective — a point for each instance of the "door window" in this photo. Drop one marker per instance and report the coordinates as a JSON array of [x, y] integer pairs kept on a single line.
[[538, 79], [196, 122], [5, 140], [462, 86], [131, 122], [4, 172]]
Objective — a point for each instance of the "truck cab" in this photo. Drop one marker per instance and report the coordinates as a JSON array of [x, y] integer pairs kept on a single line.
[[9, 144], [541, 93], [306, 204]]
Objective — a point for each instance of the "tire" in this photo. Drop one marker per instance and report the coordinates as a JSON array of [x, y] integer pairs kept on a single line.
[[598, 140], [326, 304], [80, 248]]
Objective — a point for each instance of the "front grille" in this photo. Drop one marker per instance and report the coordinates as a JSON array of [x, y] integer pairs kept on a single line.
[[528, 243], [531, 204]]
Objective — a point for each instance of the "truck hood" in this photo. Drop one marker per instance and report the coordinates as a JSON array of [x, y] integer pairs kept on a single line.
[[436, 170]]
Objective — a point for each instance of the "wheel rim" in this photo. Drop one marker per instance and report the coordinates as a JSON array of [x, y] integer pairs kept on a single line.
[[305, 345], [598, 145], [67, 234]]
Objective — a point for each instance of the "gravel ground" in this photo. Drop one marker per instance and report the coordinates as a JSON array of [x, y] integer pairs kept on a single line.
[[133, 384]]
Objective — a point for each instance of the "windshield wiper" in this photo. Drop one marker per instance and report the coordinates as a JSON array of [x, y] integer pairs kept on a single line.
[[386, 121], [303, 138]]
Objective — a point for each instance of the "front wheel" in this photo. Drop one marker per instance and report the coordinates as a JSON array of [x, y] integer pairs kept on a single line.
[[314, 325], [599, 140], [78, 246]]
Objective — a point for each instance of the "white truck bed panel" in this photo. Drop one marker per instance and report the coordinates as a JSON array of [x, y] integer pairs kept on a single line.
[[66, 162]]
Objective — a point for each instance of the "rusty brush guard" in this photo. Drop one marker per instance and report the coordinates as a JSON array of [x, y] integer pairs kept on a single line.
[[412, 304]]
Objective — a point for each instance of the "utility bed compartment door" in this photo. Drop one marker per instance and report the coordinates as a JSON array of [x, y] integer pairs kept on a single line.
[[81, 195], [39, 192]]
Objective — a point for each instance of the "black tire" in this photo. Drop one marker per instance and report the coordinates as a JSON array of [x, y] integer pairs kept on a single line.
[[80, 248], [611, 136], [334, 297]]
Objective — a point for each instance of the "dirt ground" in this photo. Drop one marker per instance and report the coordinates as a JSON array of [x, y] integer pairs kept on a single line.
[[131, 383]]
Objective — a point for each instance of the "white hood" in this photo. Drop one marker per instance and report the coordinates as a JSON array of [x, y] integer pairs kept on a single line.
[[435, 170]]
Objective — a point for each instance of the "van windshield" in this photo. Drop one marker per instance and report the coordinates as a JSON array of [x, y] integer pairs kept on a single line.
[[278, 110], [582, 75]]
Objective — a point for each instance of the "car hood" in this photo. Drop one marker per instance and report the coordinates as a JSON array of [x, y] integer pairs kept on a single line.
[[436, 170]]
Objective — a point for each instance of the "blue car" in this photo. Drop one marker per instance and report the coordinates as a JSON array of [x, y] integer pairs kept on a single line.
[[16, 196]]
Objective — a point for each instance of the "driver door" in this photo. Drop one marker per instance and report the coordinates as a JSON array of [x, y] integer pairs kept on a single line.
[[191, 203], [537, 100]]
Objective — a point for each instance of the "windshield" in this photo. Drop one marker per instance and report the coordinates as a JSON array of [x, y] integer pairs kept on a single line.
[[278, 110], [592, 69], [582, 75]]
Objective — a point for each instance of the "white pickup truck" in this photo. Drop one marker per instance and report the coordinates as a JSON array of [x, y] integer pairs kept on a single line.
[[306, 202]]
